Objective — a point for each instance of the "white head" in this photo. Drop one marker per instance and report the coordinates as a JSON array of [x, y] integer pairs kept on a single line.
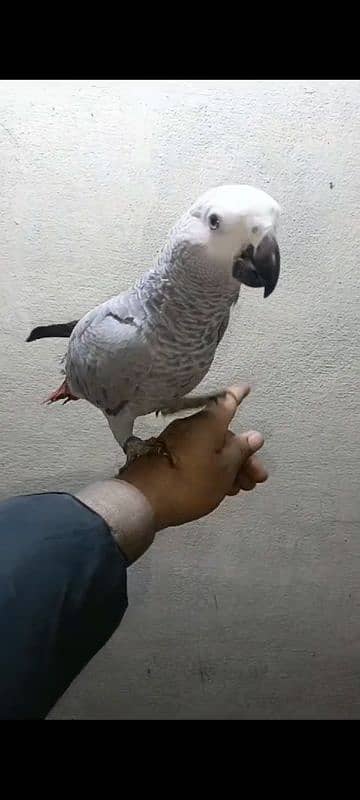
[[237, 226]]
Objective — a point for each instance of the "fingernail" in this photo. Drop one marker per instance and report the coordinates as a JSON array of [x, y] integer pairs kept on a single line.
[[255, 439]]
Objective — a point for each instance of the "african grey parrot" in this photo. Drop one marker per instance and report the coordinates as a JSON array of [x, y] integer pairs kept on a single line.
[[145, 349]]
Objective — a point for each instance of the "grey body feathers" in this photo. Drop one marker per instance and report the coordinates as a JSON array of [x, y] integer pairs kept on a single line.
[[150, 345], [143, 349]]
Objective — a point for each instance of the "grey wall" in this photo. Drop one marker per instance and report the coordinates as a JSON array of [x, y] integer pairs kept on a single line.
[[253, 612]]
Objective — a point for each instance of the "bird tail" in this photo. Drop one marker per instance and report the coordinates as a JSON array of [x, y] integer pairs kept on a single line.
[[62, 330], [62, 393]]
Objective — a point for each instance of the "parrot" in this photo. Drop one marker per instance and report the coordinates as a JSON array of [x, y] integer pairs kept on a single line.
[[146, 349]]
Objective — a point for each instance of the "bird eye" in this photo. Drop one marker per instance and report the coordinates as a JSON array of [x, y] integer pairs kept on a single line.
[[214, 222]]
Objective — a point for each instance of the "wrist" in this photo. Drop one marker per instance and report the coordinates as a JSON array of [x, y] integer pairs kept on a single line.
[[126, 510], [151, 495], [157, 489]]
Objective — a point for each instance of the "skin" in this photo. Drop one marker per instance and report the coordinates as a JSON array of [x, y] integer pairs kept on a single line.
[[209, 463]]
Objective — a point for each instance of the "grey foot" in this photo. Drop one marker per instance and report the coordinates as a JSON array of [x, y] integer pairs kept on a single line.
[[188, 403], [135, 447]]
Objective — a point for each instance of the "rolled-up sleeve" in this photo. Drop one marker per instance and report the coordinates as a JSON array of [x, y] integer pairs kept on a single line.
[[63, 593]]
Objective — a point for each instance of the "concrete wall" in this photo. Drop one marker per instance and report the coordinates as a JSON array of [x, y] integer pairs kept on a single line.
[[253, 612]]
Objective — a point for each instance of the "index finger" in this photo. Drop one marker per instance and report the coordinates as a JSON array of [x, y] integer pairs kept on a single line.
[[223, 411]]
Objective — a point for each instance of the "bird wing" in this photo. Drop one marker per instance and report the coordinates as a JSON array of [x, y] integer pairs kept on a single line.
[[108, 355]]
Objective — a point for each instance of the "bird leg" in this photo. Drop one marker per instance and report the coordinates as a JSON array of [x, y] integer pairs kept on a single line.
[[190, 402], [135, 447]]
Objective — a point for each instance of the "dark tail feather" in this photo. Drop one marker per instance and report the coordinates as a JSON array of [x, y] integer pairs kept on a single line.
[[63, 330]]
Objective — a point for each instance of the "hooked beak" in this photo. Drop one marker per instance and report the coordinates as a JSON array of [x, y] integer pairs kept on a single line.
[[260, 267]]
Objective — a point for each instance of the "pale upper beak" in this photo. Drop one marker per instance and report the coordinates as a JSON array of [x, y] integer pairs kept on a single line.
[[260, 266]]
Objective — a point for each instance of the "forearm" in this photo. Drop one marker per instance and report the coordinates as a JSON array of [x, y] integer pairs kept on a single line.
[[62, 595], [126, 511]]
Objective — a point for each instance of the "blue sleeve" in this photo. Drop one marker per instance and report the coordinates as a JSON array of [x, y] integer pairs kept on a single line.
[[62, 595]]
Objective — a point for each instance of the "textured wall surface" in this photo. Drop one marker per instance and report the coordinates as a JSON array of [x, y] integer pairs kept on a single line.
[[255, 611]]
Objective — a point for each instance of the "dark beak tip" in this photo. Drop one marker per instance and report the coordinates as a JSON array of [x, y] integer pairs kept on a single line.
[[268, 290], [267, 263], [261, 269]]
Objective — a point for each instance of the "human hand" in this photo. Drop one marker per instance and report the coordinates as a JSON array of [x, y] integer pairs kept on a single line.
[[210, 462]]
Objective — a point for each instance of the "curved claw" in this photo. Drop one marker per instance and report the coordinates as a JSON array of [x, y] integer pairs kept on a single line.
[[135, 448]]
